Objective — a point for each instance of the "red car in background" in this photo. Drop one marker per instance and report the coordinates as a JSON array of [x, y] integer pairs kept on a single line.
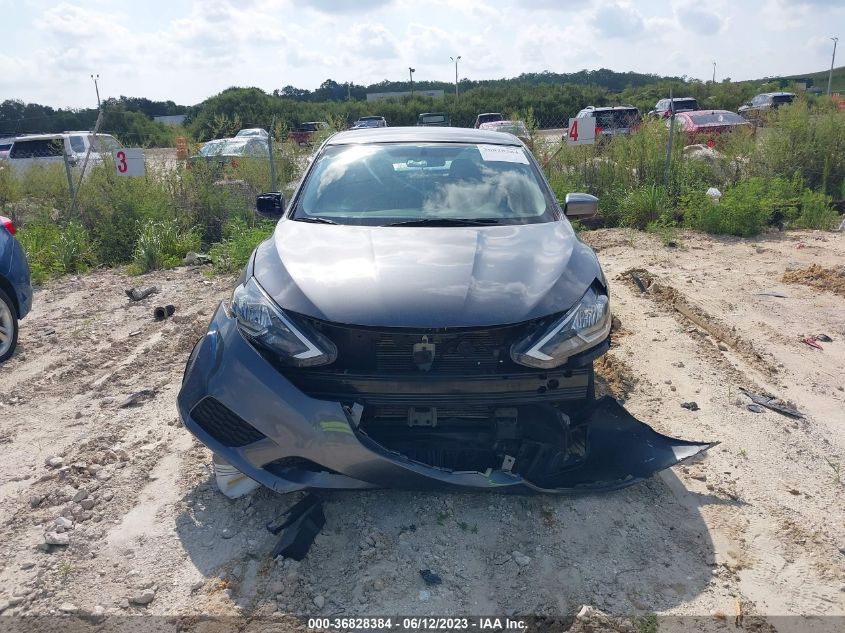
[[706, 126]]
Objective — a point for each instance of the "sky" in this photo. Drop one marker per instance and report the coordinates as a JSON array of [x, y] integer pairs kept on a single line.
[[188, 50]]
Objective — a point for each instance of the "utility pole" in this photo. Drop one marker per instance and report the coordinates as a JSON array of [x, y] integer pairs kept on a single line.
[[832, 59], [95, 78], [456, 60], [411, 72], [714, 72]]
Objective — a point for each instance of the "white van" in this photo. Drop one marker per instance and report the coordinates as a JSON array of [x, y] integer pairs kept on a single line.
[[44, 149]]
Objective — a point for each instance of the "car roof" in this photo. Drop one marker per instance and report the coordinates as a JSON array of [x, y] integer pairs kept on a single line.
[[777, 94], [616, 107], [53, 135], [422, 134]]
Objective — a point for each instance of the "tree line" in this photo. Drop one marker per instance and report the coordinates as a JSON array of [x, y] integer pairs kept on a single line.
[[547, 99]]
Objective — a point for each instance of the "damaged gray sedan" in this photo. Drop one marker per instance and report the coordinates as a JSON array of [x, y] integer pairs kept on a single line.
[[423, 315]]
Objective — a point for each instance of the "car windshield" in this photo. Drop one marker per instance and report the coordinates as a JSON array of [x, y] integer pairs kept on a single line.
[[486, 118], [381, 184], [104, 143], [517, 128], [685, 104], [228, 147], [249, 132], [613, 119], [715, 118]]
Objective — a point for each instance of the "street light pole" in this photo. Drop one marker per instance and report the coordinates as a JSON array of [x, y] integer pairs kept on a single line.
[[714, 72], [95, 78], [412, 71], [832, 59], [456, 59]]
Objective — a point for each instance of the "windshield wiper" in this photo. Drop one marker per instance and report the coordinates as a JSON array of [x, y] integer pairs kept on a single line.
[[447, 222], [316, 220]]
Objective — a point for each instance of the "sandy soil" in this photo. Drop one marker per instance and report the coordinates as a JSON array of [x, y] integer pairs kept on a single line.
[[756, 525]]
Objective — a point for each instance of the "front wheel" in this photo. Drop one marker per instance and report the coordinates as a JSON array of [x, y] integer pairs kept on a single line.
[[8, 327]]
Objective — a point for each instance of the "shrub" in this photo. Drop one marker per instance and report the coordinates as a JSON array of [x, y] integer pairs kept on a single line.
[[644, 205], [73, 249], [240, 240], [161, 244], [816, 212]]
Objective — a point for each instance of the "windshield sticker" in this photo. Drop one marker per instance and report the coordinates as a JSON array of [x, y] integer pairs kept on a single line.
[[502, 154]]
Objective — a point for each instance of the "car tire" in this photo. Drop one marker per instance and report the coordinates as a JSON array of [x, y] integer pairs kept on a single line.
[[8, 326]]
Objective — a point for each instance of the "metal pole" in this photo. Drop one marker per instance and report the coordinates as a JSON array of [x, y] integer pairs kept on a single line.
[[671, 137], [456, 59], [411, 73], [270, 150], [832, 59], [85, 162], [714, 72], [97, 88], [69, 176]]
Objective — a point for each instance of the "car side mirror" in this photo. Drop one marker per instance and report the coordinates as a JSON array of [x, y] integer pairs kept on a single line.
[[270, 205], [580, 205]]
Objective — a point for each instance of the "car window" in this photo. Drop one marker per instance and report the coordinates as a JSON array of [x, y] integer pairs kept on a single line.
[[37, 148], [225, 147], [384, 184], [779, 99], [433, 118], [77, 144], [686, 104], [715, 118], [104, 143], [614, 119]]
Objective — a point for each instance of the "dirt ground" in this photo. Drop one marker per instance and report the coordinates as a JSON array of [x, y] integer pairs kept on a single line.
[[757, 526]]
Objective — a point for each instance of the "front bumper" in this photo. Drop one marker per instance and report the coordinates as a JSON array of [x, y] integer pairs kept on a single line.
[[245, 410]]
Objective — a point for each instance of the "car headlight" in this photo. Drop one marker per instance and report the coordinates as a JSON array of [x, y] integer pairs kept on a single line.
[[265, 324], [584, 325]]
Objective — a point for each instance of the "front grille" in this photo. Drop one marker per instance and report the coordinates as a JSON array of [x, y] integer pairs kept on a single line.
[[476, 413], [457, 351], [224, 425]]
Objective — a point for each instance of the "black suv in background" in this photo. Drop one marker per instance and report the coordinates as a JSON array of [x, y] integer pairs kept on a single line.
[[663, 108], [762, 104]]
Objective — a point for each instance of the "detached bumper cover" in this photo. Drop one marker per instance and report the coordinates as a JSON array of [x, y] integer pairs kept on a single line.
[[240, 406]]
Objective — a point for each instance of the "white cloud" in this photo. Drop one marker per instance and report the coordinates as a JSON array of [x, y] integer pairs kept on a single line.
[[345, 6], [698, 20], [618, 20], [371, 41]]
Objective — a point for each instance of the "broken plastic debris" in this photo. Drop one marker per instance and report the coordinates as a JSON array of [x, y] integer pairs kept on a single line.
[[811, 341], [136, 295], [823, 338], [230, 481], [138, 397], [770, 402], [304, 521], [430, 577], [714, 194]]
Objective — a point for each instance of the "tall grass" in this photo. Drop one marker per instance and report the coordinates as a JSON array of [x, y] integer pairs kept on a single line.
[[782, 174], [146, 222]]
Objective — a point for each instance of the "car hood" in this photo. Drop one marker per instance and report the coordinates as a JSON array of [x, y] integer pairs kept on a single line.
[[425, 277]]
